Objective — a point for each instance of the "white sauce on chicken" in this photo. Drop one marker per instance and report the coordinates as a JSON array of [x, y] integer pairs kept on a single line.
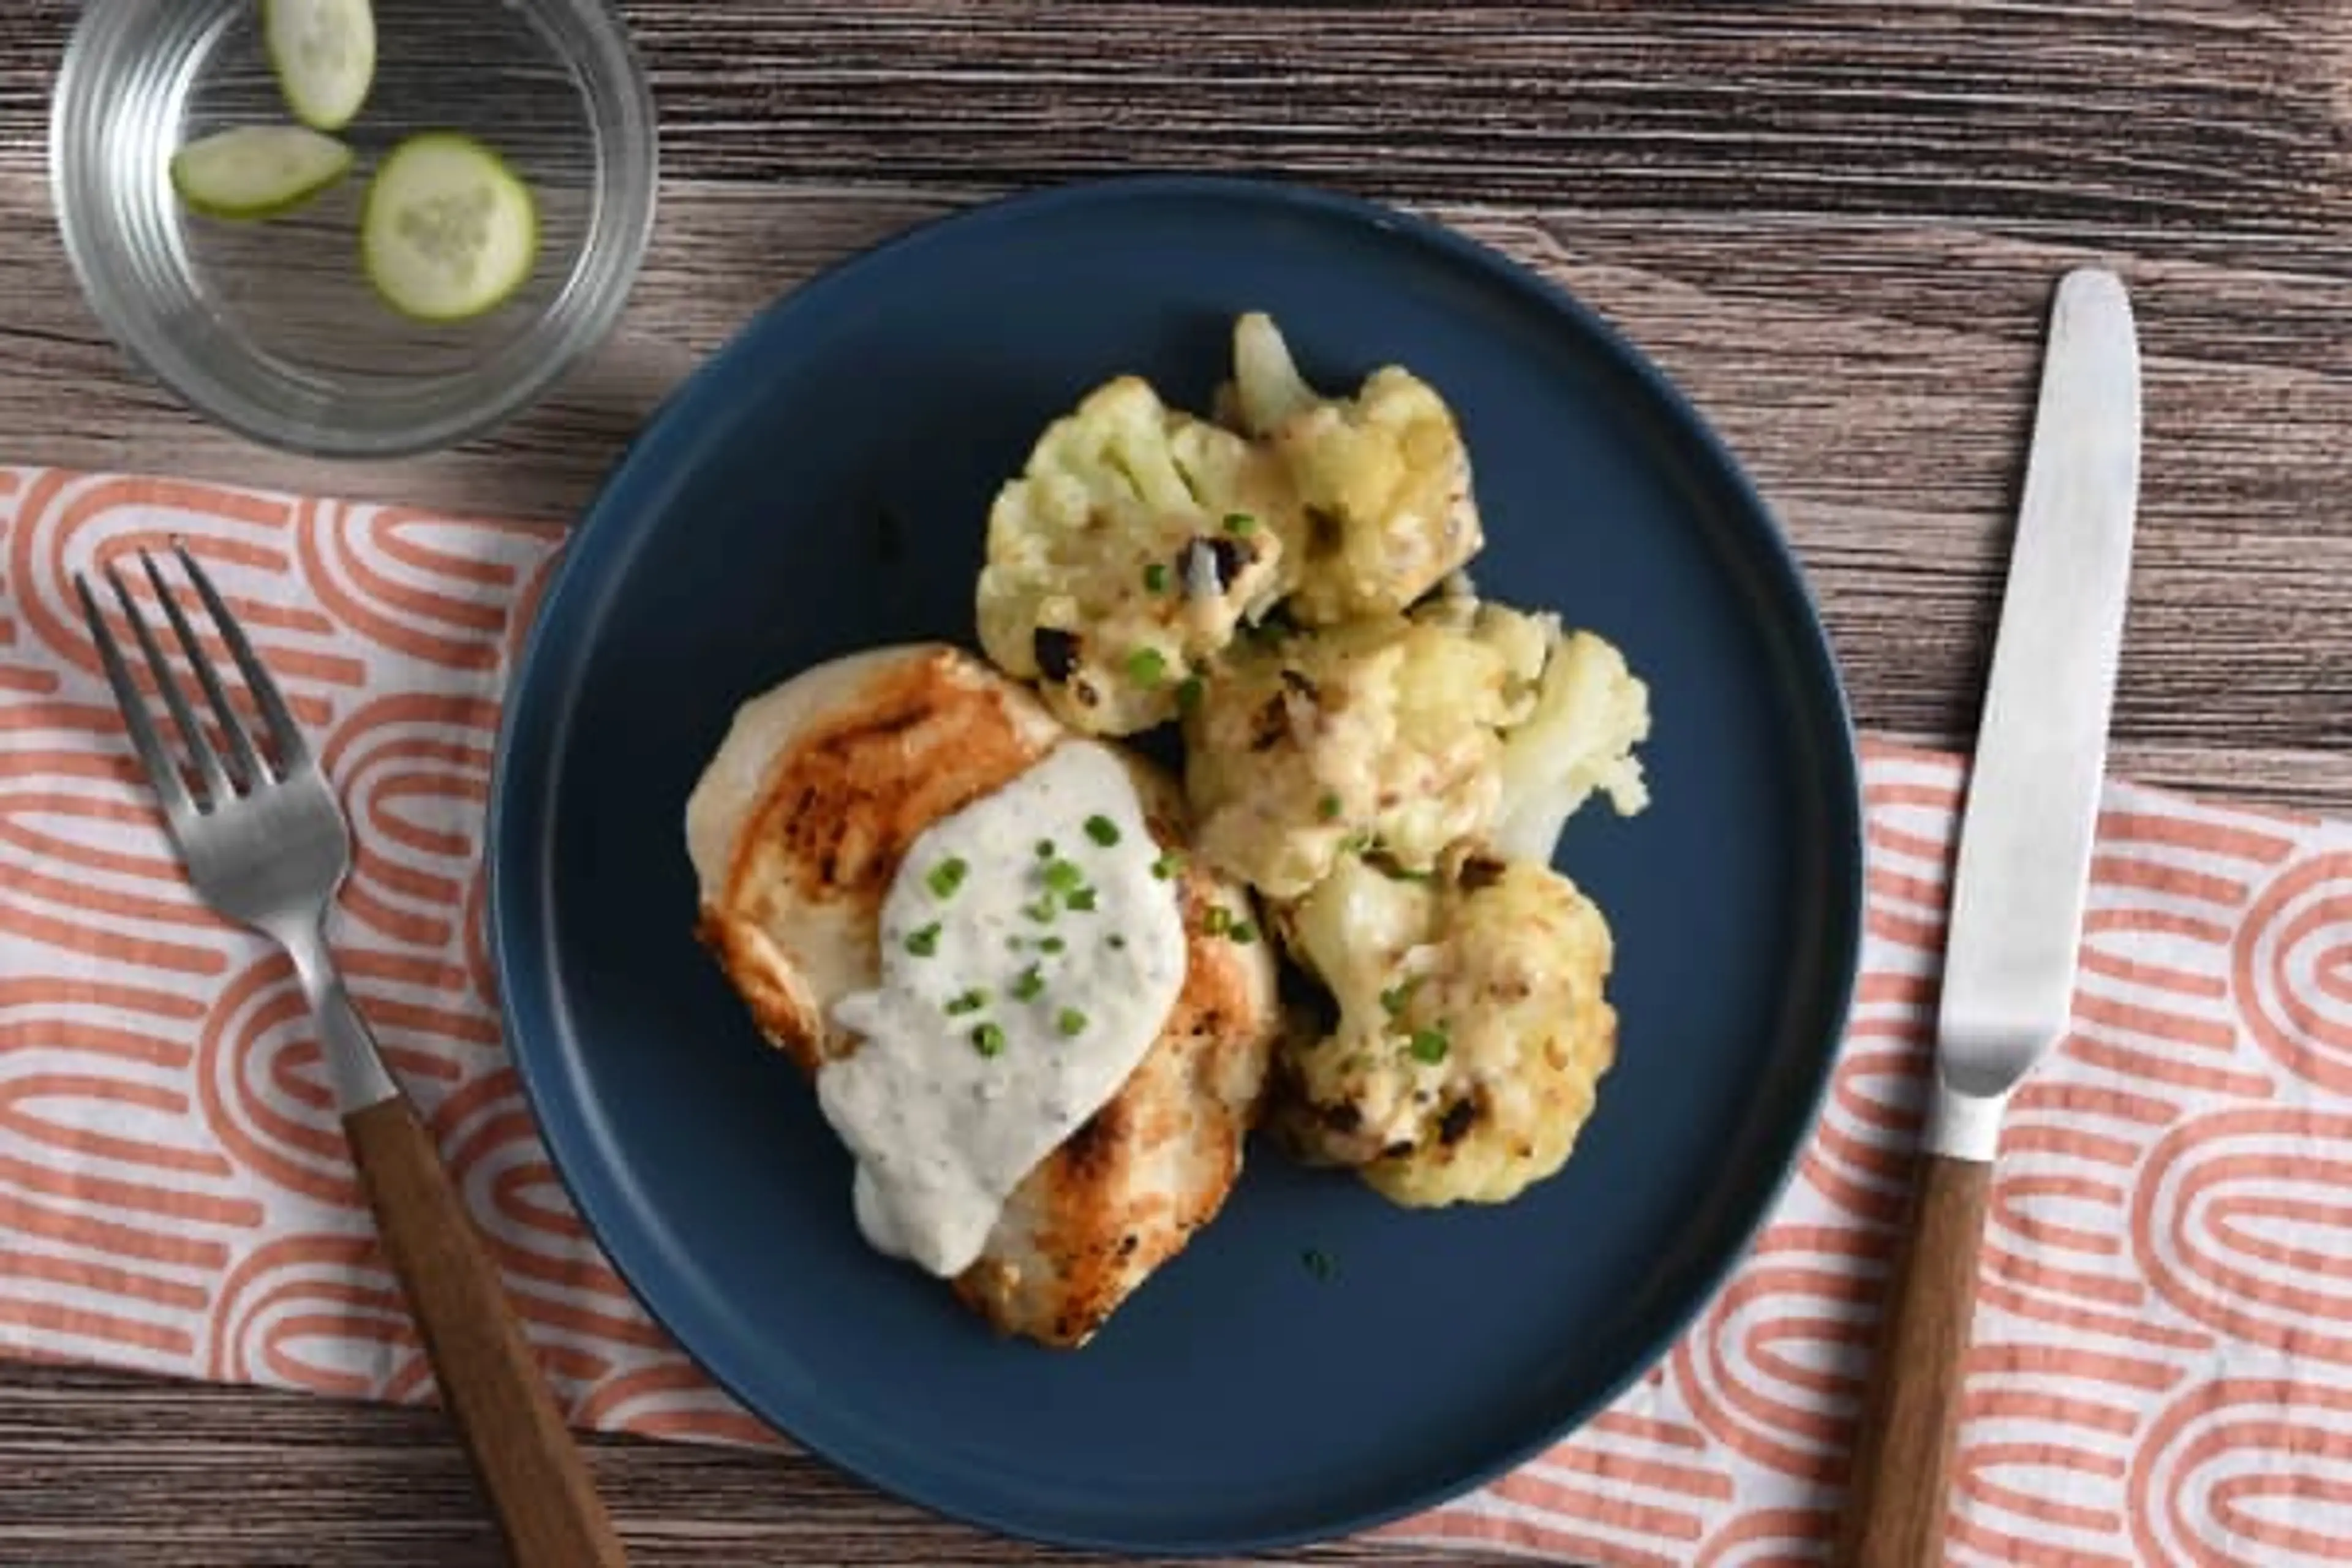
[[1031, 947]]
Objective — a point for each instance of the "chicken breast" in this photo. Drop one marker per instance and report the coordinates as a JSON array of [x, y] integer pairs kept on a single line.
[[797, 829]]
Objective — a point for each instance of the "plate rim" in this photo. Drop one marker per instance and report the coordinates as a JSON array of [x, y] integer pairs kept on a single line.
[[1844, 826]]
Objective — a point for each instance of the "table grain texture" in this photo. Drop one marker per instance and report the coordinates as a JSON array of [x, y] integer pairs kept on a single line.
[[1835, 223]]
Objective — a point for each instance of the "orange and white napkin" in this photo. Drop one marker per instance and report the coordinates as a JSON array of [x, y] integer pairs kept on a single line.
[[2162, 1368]]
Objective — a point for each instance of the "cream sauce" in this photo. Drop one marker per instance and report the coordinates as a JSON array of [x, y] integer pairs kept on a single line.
[[1008, 1011]]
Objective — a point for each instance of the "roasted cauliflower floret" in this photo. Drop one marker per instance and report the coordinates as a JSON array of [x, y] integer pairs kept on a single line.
[[1122, 560], [1473, 1028], [1590, 713], [1382, 478], [1380, 736]]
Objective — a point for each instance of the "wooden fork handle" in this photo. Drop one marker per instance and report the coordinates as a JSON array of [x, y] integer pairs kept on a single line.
[[1895, 1506], [490, 1383]]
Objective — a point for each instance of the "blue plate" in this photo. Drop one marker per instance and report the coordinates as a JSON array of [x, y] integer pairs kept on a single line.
[[821, 485]]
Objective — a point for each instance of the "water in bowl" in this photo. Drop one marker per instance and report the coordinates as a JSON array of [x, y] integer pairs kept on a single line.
[[292, 290]]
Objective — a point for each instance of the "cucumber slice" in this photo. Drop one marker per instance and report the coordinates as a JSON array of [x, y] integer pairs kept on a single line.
[[324, 54], [256, 171], [449, 232]]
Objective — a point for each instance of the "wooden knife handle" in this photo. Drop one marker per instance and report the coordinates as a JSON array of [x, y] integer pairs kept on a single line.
[[490, 1383], [1896, 1504]]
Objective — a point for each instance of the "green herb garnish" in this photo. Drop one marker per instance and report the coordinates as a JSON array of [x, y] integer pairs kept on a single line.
[[1241, 931], [1052, 945], [1102, 830], [1083, 901], [1146, 666], [1045, 850], [1070, 1021], [1117, 942], [1428, 1046], [1240, 522], [1167, 865], [924, 942], [1063, 876], [971, 1001], [1155, 578], [1217, 921], [1028, 984], [1395, 999], [1188, 692], [1327, 807], [988, 1040], [1041, 911], [949, 875]]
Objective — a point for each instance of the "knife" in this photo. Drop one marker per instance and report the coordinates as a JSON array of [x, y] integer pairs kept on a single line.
[[2017, 888]]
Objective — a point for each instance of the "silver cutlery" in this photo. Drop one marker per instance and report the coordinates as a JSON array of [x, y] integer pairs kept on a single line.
[[2018, 891], [265, 843]]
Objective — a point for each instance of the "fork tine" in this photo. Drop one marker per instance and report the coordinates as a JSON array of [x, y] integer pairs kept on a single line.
[[161, 772], [291, 752], [215, 790], [246, 767]]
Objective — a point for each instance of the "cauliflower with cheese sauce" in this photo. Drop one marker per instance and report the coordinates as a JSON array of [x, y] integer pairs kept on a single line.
[[1135, 543], [1380, 735], [1472, 1028], [1386, 511]]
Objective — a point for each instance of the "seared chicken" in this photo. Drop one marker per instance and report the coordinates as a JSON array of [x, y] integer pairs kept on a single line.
[[797, 830]]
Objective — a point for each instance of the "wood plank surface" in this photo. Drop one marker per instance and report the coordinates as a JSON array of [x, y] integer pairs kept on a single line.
[[1835, 223]]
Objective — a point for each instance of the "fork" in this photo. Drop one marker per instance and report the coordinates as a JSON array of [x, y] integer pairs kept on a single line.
[[265, 843]]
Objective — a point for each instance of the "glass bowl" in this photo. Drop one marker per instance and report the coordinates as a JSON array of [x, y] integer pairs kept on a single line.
[[270, 326]]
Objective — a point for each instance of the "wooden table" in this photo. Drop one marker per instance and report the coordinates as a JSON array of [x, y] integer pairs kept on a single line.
[[1835, 223]]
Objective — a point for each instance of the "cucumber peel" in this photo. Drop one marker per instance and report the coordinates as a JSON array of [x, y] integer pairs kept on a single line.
[[256, 171], [448, 232], [323, 52]]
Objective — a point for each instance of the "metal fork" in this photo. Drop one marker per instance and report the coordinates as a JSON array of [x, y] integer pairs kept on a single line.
[[266, 843]]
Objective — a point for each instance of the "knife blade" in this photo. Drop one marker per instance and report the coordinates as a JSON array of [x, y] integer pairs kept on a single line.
[[2033, 809], [2019, 887]]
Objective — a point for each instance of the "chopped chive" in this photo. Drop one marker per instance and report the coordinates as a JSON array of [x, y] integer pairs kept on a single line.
[[1045, 850], [949, 875], [988, 1040], [1218, 920], [1052, 945], [1027, 986], [1241, 931], [1167, 865], [971, 1001], [1357, 843], [1428, 1046], [1015, 943], [1063, 876], [1155, 578], [1319, 1263], [1117, 942], [1082, 901], [1395, 1000], [1070, 1021], [1146, 666], [1041, 911], [1240, 522], [1188, 692], [1327, 807], [924, 942], [1102, 830]]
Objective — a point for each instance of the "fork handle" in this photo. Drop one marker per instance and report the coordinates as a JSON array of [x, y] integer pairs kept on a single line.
[[490, 1383]]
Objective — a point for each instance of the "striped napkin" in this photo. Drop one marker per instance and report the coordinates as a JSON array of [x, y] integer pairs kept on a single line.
[[2162, 1370]]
